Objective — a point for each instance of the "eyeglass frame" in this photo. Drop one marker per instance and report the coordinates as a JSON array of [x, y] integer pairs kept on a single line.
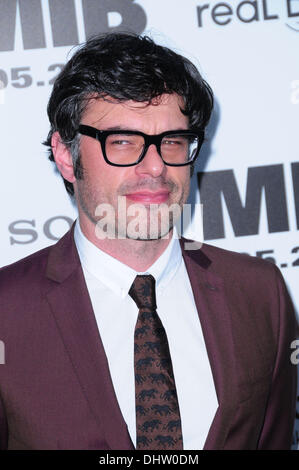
[[154, 139]]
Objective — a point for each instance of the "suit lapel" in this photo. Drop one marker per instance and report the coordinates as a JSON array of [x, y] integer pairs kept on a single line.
[[215, 318], [71, 306]]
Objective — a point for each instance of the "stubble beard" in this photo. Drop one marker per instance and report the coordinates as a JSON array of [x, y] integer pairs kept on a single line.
[[165, 215]]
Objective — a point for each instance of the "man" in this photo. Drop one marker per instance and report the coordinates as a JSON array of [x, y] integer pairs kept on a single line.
[[118, 337]]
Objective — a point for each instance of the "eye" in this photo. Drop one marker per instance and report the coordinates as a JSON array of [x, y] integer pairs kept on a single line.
[[122, 140], [174, 140]]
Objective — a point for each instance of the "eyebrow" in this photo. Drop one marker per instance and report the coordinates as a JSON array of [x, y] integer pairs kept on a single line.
[[121, 128]]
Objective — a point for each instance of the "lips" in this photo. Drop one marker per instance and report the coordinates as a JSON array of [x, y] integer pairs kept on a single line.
[[149, 197]]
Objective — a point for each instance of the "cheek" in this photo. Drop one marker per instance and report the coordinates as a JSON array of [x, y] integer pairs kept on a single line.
[[108, 179], [185, 184], [181, 176], [96, 170]]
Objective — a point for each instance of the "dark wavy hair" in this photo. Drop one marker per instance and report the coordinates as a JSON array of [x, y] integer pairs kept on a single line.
[[124, 66]]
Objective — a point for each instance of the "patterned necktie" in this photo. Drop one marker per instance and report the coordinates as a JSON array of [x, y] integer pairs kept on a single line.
[[158, 422]]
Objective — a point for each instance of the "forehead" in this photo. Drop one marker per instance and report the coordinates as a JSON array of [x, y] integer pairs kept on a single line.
[[162, 112]]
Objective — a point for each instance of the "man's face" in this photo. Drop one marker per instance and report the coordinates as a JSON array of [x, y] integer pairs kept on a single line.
[[150, 183]]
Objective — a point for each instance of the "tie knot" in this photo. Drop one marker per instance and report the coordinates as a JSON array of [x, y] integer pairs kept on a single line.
[[142, 291]]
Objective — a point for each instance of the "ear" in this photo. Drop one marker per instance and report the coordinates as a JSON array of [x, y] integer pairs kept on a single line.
[[63, 158]]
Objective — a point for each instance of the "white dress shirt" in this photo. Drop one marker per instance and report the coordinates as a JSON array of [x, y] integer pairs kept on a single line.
[[108, 282]]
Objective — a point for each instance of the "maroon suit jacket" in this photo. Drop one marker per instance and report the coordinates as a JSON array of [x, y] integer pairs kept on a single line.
[[55, 387]]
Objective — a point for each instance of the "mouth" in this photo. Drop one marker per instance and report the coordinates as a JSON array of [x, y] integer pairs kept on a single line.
[[148, 197]]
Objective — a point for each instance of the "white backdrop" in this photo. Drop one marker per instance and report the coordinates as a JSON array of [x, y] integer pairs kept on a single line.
[[248, 53]]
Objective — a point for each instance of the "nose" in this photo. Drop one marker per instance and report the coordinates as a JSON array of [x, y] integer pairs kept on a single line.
[[152, 163]]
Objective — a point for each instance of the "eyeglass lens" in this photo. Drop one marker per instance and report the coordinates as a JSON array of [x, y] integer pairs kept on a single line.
[[126, 149]]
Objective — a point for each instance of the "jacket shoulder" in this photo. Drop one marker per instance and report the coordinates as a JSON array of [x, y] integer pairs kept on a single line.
[[23, 272], [242, 275], [226, 261]]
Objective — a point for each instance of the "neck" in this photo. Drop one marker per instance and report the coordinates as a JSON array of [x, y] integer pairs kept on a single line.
[[137, 254]]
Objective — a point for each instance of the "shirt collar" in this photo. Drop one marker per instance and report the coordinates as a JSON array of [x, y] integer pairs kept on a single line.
[[116, 275]]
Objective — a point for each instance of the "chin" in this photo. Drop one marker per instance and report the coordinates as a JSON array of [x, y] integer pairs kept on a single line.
[[150, 236]]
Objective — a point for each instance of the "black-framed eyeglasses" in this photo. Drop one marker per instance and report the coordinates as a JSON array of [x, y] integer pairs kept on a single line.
[[128, 148]]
